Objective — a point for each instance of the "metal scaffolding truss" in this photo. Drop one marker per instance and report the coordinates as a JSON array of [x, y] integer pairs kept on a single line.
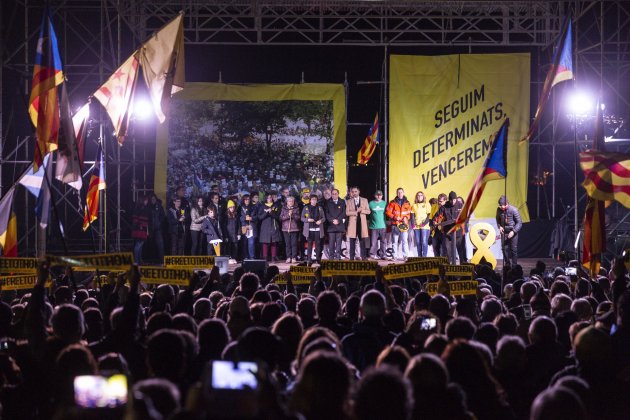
[[97, 35]]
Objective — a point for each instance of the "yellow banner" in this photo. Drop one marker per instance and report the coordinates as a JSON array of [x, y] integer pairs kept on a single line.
[[430, 267], [437, 260], [117, 261], [348, 268], [159, 275], [18, 282], [467, 287], [463, 270], [443, 110], [301, 274], [18, 265], [195, 261], [169, 148]]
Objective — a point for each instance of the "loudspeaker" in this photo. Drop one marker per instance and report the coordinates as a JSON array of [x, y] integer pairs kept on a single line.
[[255, 266]]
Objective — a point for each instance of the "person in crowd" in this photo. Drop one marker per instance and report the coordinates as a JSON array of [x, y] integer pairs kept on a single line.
[[156, 234], [177, 226], [313, 218], [212, 229], [248, 220], [399, 213], [290, 221], [231, 231], [509, 223], [269, 216], [357, 210], [140, 229], [378, 229], [198, 214], [335, 210], [420, 215]]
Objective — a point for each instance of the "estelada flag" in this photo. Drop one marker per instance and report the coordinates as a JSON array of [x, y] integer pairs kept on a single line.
[[43, 103], [116, 95], [494, 167], [162, 61], [561, 70], [97, 183], [370, 143], [594, 243]]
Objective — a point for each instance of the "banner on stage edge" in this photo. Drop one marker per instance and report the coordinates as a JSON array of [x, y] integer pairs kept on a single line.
[[301, 274], [463, 270], [348, 268], [417, 268], [18, 265], [189, 261], [443, 110], [113, 261]]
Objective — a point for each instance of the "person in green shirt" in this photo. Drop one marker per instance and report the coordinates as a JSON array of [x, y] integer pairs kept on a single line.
[[377, 226]]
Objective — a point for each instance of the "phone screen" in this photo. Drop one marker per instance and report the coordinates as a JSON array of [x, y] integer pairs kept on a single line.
[[230, 375], [428, 323], [527, 311], [570, 271], [92, 391]]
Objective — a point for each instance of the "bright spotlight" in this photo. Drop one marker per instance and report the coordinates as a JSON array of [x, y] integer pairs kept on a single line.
[[580, 104], [142, 109]]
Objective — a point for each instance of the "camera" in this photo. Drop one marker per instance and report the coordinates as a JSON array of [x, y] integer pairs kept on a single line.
[[94, 391], [570, 271]]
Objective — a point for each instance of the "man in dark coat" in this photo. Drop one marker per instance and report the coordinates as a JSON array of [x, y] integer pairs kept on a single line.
[[509, 223], [335, 210]]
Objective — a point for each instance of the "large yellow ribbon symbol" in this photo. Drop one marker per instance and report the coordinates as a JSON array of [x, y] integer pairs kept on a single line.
[[483, 245]]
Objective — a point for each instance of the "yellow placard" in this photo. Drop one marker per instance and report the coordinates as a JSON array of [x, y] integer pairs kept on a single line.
[[189, 261], [18, 265], [438, 260], [159, 275], [17, 282], [301, 274], [443, 110], [348, 268], [463, 270], [412, 269], [466, 287], [258, 93], [113, 261]]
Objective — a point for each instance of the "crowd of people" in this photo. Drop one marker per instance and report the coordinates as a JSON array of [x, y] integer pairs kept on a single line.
[[547, 346], [318, 224]]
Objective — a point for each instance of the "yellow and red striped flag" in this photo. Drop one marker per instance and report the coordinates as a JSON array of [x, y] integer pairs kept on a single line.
[[97, 183], [43, 103], [8, 225], [607, 175], [594, 243], [370, 143], [116, 95]]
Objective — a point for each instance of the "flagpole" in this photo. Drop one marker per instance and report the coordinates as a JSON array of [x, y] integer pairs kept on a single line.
[[54, 205]]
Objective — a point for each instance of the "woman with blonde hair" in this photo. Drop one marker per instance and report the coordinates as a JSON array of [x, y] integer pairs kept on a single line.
[[420, 214]]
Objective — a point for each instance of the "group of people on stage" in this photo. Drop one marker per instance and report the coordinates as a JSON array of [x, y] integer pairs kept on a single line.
[[274, 226]]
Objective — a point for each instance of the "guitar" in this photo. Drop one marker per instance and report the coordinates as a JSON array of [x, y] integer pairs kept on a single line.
[[439, 223]]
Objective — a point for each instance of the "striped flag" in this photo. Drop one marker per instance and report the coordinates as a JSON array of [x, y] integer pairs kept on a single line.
[[561, 70], [116, 95], [6, 221], [68, 169], [43, 103], [594, 243], [162, 61], [494, 167], [370, 143], [97, 183], [32, 180], [607, 175]]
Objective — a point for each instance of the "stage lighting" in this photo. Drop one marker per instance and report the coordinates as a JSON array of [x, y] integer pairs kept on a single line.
[[142, 109], [580, 104]]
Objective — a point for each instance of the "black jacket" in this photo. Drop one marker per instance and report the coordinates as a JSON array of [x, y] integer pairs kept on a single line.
[[512, 218], [335, 211]]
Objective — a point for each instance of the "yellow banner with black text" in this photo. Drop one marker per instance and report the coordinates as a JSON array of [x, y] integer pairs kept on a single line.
[[443, 112]]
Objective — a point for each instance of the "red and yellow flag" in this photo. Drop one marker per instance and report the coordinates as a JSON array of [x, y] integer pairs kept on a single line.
[[116, 95], [369, 145], [97, 183], [43, 103]]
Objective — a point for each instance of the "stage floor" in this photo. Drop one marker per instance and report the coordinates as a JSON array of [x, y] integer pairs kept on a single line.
[[526, 263]]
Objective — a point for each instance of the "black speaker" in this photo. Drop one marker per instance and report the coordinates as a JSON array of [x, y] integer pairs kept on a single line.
[[255, 266]]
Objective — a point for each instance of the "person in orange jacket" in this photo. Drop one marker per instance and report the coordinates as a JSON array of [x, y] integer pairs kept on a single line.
[[399, 213]]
